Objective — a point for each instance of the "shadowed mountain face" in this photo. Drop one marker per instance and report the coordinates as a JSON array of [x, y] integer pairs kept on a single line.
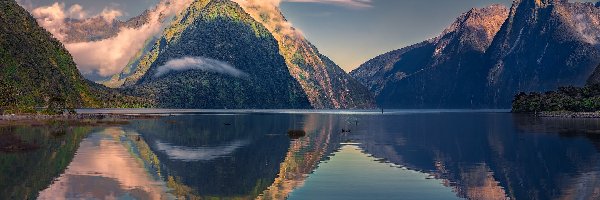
[[446, 71], [214, 55], [541, 46], [325, 83], [595, 78]]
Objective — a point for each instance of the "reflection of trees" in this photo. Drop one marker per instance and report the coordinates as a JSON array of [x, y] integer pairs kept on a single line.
[[305, 154], [243, 173], [24, 174], [142, 150]]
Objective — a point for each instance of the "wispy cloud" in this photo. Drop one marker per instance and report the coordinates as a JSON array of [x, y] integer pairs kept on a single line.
[[199, 63], [349, 3]]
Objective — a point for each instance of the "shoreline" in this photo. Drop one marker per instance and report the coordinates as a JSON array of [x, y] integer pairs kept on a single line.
[[566, 114], [95, 119]]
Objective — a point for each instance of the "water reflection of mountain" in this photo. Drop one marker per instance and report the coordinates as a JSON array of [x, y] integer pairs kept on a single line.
[[323, 137], [485, 156], [251, 158], [221, 156], [24, 174], [105, 168]]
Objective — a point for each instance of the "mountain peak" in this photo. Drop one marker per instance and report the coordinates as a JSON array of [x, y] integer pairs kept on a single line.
[[476, 28]]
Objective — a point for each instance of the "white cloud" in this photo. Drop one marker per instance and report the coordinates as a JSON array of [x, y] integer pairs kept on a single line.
[[193, 154], [109, 56], [350, 3], [199, 63]]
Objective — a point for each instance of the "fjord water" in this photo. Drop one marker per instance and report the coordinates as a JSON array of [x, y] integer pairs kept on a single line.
[[248, 155]]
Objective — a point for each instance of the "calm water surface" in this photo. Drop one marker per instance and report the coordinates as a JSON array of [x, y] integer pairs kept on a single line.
[[195, 154]]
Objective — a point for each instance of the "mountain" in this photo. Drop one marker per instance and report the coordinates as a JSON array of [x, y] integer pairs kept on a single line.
[[541, 46], [447, 71], [98, 28], [595, 77], [37, 71], [325, 83], [544, 44], [214, 55]]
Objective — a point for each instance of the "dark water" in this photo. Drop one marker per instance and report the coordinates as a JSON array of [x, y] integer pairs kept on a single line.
[[248, 155]]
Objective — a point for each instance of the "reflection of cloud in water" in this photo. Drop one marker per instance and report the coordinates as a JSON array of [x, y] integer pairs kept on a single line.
[[191, 154], [103, 168]]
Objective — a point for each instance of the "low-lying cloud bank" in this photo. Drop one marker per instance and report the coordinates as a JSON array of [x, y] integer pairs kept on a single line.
[[199, 63], [107, 57]]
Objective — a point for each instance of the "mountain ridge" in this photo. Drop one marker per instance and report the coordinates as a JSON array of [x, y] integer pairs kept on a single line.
[[408, 77], [37, 72], [214, 37], [325, 83], [540, 46]]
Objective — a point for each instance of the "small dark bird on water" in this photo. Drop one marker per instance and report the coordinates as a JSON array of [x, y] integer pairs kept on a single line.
[[346, 131], [227, 124]]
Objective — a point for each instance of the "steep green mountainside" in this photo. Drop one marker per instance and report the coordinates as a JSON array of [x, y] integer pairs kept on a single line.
[[325, 83], [214, 55], [444, 72], [37, 71]]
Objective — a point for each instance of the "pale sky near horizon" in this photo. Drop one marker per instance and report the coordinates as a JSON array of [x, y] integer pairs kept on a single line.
[[350, 32]]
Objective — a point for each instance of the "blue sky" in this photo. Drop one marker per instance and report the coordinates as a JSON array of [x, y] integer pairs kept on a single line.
[[348, 31]]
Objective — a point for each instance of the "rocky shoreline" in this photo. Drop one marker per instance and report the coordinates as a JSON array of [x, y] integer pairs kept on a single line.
[[72, 119], [566, 114]]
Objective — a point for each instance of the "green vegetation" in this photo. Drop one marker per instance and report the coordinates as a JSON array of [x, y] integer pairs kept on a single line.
[[24, 174], [572, 99], [37, 74], [219, 30]]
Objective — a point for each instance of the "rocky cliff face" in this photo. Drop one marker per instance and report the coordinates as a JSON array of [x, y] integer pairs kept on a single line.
[[444, 72], [214, 55], [325, 83], [98, 28], [541, 46]]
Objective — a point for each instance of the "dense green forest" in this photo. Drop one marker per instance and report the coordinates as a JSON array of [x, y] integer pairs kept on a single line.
[[38, 74], [573, 99], [222, 31]]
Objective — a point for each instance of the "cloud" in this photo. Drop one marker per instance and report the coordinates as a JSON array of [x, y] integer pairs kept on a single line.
[[349, 3], [107, 57], [192, 154], [199, 63]]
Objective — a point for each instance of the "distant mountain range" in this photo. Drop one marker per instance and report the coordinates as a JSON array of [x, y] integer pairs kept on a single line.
[[37, 72], [222, 30], [244, 54], [489, 55]]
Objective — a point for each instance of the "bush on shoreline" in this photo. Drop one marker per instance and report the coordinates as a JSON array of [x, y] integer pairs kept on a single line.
[[573, 99]]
